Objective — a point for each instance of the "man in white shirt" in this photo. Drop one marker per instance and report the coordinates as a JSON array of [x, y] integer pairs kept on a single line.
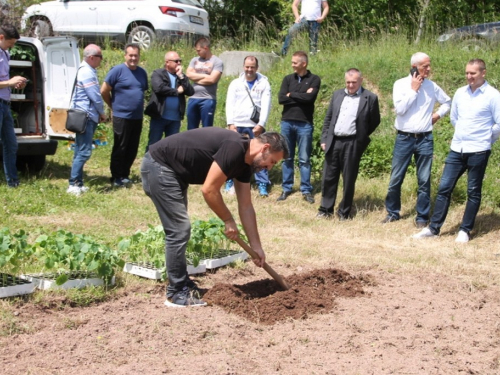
[[475, 114], [249, 90], [414, 97], [311, 16]]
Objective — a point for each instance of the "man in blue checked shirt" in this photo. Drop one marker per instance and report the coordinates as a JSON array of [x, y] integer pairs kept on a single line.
[[87, 97], [475, 114]]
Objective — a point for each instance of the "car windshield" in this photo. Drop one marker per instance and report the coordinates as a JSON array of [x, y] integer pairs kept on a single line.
[[188, 2]]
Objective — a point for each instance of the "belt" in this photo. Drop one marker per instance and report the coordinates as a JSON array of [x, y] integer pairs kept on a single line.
[[4, 101], [414, 135], [346, 137]]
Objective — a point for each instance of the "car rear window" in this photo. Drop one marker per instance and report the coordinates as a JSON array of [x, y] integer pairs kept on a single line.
[[189, 2]]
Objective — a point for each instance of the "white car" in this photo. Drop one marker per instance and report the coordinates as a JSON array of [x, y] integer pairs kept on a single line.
[[50, 65], [134, 21]]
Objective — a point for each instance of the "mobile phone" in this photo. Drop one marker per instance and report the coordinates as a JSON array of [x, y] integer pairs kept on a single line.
[[413, 71]]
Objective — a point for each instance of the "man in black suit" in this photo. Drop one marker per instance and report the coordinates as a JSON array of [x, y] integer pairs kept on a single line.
[[353, 114]]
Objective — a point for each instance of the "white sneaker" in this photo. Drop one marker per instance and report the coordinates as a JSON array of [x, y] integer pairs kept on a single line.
[[83, 189], [424, 233], [75, 190], [463, 237]]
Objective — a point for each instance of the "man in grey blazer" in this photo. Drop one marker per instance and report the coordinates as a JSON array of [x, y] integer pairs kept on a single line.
[[353, 114]]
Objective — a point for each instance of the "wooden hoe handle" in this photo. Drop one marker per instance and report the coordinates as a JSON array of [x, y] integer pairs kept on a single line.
[[267, 267]]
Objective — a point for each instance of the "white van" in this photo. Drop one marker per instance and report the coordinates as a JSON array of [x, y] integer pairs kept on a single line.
[[39, 111]]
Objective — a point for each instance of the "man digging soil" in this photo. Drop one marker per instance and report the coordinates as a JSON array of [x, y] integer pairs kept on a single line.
[[207, 157]]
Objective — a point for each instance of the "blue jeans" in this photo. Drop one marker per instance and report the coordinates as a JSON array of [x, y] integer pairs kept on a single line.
[[169, 195], [422, 149], [455, 166], [301, 134], [261, 177], [313, 26], [9, 144], [200, 110], [83, 151], [160, 126]]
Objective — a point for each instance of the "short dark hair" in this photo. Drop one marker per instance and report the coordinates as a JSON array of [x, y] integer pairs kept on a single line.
[[277, 142], [253, 58], [9, 31], [202, 42], [134, 46], [478, 62], [302, 55]]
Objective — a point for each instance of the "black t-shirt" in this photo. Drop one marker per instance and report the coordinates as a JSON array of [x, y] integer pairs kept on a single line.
[[190, 154]]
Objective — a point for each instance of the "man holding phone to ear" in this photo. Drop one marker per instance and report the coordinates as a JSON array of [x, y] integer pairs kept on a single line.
[[414, 97]]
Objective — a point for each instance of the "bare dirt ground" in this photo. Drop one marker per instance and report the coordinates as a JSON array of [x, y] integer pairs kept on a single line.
[[329, 322]]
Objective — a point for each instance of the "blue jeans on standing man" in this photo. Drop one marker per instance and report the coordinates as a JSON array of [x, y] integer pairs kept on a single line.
[[9, 144], [159, 127], [422, 148], [200, 110], [301, 134], [313, 26], [455, 166], [83, 151]]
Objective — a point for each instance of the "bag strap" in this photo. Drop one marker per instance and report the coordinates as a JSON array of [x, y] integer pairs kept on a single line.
[[74, 89], [248, 91]]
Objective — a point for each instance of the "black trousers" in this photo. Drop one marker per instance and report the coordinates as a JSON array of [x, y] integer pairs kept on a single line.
[[127, 134], [343, 157]]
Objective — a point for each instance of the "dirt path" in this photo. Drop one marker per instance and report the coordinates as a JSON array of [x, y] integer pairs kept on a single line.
[[387, 324]]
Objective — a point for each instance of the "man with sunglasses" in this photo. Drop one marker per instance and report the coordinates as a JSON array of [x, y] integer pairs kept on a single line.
[[168, 98], [123, 91], [87, 98]]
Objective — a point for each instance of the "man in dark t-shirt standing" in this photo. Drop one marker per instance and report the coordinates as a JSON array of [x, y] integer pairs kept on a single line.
[[207, 157]]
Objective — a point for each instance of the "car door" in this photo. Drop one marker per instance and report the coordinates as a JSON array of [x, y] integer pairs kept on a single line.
[[74, 17], [61, 60]]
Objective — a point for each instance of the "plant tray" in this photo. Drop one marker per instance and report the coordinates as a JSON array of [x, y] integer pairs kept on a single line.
[[77, 280], [11, 286], [227, 256], [148, 271], [17, 96]]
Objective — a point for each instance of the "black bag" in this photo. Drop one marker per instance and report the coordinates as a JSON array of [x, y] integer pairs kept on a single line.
[[255, 114], [256, 110], [76, 121]]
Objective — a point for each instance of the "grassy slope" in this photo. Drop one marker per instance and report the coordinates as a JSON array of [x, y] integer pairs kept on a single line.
[[289, 232]]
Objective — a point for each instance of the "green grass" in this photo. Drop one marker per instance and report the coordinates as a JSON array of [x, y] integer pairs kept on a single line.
[[41, 203]]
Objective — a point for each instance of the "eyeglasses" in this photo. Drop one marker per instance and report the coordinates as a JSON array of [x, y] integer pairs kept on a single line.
[[176, 61], [100, 56]]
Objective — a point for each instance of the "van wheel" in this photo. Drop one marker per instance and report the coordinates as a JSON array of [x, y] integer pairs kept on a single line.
[[30, 163], [143, 36], [40, 29]]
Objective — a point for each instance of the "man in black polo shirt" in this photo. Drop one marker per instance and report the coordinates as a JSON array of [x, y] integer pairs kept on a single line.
[[208, 157]]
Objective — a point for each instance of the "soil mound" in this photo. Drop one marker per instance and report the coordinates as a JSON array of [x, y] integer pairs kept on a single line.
[[264, 302]]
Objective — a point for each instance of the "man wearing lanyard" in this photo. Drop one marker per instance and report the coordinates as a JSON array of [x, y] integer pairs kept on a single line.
[[8, 37]]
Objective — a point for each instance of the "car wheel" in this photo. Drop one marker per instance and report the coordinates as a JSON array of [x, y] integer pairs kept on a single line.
[[40, 29], [30, 163], [143, 36]]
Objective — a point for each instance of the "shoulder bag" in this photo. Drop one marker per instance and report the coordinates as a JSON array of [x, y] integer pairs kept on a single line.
[[255, 117], [76, 121]]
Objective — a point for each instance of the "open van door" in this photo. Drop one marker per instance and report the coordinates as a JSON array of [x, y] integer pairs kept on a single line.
[[61, 63]]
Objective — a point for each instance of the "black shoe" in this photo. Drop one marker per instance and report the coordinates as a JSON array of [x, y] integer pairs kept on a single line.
[[308, 197], [421, 224], [389, 219], [324, 215], [184, 298], [284, 195]]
